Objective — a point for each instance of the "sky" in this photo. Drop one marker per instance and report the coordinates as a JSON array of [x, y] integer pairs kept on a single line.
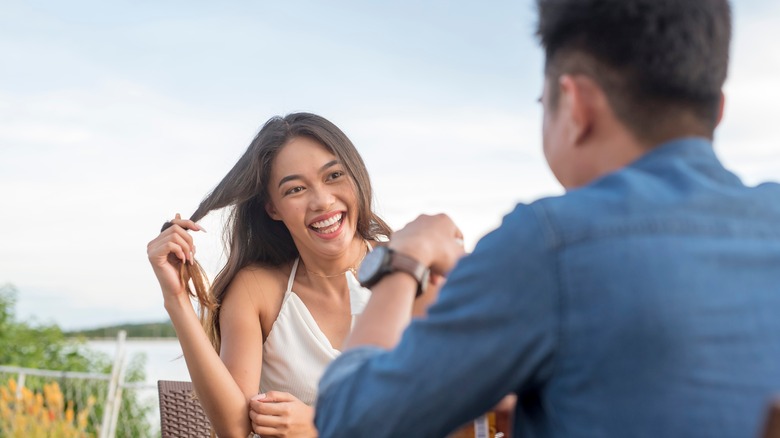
[[114, 116]]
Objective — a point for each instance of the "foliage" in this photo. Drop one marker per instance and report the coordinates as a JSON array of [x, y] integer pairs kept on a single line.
[[145, 330], [24, 345], [41, 414], [47, 347]]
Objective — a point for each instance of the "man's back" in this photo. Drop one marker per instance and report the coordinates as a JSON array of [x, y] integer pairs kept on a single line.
[[643, 303], [669, 302]]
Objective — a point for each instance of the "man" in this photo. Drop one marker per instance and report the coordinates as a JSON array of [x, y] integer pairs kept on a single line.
[[645, 302]]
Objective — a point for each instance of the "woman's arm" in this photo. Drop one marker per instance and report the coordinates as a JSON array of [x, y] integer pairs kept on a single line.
[[223, 388]]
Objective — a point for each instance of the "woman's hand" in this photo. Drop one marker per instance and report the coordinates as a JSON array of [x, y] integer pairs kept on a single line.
[[429, 296], [168, 251], [280, 414], [505, 410]]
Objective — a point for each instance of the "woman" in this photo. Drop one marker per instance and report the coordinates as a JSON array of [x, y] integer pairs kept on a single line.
[[277, 313]]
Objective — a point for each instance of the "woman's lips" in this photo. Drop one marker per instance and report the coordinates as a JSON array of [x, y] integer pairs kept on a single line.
[[328, 227]]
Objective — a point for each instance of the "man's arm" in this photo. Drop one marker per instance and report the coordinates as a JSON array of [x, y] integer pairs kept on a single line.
[[434, 241], [491, 332]]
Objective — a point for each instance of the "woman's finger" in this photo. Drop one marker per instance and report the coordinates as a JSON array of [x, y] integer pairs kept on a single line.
[[275, 409], [172, 248], [186, 223], [177, 229], [172, 245], [264, 419], [275, 397], [264, 431], [183, 245], [184, 238], [178, 236], [267, 421]]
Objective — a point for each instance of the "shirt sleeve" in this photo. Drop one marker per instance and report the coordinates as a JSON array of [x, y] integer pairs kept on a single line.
[[491, 332]]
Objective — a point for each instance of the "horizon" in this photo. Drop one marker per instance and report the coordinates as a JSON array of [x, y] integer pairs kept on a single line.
[[118, 116]]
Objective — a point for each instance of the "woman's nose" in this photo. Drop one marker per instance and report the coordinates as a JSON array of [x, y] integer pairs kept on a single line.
[[321, 199]]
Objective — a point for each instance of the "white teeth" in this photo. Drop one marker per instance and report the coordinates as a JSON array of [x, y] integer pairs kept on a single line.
[[327, 222]]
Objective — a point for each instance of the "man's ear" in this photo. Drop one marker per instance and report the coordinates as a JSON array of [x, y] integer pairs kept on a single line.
[[721, 109], [271, 210], [577, 98]]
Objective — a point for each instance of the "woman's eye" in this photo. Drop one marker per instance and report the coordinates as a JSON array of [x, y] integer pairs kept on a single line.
[[335, 175], [293, 190]]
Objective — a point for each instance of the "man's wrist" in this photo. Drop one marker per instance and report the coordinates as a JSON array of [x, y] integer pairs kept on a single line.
[[401, 282], [403, 279], [384, 261], [415, 250]]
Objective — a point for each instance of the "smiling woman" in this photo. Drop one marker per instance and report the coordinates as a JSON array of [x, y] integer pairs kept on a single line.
[[299, 225], [320, 197]]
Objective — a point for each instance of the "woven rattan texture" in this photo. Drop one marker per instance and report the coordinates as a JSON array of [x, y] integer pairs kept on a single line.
[[180, 412]]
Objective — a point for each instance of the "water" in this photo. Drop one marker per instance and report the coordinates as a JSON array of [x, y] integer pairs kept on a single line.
[[163, 357]]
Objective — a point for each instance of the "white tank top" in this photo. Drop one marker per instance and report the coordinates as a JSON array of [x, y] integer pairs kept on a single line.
[[296, 351]]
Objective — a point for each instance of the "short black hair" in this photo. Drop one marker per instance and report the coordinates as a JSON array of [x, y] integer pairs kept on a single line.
[[653, 58]]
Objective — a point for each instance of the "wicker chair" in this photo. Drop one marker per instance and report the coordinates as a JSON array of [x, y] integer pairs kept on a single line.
[[180, 412]]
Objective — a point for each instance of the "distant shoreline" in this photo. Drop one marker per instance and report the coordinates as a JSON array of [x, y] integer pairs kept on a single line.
[[129, 338], [150, 330]]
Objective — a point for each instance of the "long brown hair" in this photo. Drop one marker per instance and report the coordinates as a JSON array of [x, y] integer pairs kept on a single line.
[[251, 236]]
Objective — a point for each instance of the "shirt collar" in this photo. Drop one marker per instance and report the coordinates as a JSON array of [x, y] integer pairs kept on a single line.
[[697, 152]]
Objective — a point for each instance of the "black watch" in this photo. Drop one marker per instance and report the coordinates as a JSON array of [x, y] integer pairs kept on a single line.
[[383, 261]]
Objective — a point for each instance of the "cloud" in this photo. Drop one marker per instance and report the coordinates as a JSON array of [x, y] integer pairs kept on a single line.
[[94, 160], [748, 141]]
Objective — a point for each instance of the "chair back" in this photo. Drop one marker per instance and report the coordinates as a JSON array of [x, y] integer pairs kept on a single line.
[[772, 425], [180, 412]]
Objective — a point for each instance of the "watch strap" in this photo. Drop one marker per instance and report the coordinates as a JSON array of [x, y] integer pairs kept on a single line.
[[404, 263]]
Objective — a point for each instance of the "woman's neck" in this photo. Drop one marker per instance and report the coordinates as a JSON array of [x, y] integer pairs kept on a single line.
[[335, 267]]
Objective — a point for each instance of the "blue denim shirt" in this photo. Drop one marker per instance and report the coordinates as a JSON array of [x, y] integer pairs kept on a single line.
[[646, 304]]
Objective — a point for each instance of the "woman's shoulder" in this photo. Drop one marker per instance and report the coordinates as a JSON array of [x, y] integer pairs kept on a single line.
[[262, 288], [262, 277]]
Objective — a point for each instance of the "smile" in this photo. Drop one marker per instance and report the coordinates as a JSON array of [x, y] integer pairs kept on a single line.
[[327, 226]]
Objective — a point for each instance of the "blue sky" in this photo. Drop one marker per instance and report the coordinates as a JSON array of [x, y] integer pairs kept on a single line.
[[116, 115]]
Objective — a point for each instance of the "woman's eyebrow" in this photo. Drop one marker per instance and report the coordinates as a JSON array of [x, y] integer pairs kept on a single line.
[[288, 178], [295, 176], [329, 164]]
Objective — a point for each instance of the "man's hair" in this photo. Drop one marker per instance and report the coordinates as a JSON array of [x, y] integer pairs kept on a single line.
[[654, 59]]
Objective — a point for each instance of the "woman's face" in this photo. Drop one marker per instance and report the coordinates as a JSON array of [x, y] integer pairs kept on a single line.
[[312, 194]]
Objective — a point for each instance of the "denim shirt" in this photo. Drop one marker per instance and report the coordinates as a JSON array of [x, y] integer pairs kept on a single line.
[[646, 304]]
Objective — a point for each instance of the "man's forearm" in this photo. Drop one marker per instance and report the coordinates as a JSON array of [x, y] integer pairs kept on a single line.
[[387, 313]]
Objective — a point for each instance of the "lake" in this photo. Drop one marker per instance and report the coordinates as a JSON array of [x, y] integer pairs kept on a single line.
[[163, 357]]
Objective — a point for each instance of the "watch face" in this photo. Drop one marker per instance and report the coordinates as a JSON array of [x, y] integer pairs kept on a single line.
[[371, 265]]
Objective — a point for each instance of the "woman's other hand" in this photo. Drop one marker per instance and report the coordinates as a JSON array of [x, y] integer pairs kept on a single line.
[[168, 251], [280, 414], [426, 300]]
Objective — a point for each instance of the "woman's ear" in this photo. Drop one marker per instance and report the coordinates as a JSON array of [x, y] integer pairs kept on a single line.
[[271, 210]]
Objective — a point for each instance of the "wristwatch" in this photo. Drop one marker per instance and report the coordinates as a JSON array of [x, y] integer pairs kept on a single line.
[[384, 260]]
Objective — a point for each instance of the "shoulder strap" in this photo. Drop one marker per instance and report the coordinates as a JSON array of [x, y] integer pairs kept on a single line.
[[292, 276]]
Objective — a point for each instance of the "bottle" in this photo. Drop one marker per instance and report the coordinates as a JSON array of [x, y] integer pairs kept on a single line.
[[482, 427]]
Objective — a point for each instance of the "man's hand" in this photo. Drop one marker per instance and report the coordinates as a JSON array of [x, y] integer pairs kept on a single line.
[[434, 241]]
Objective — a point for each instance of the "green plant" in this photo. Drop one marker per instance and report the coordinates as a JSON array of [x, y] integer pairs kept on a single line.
[[46, 347]]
